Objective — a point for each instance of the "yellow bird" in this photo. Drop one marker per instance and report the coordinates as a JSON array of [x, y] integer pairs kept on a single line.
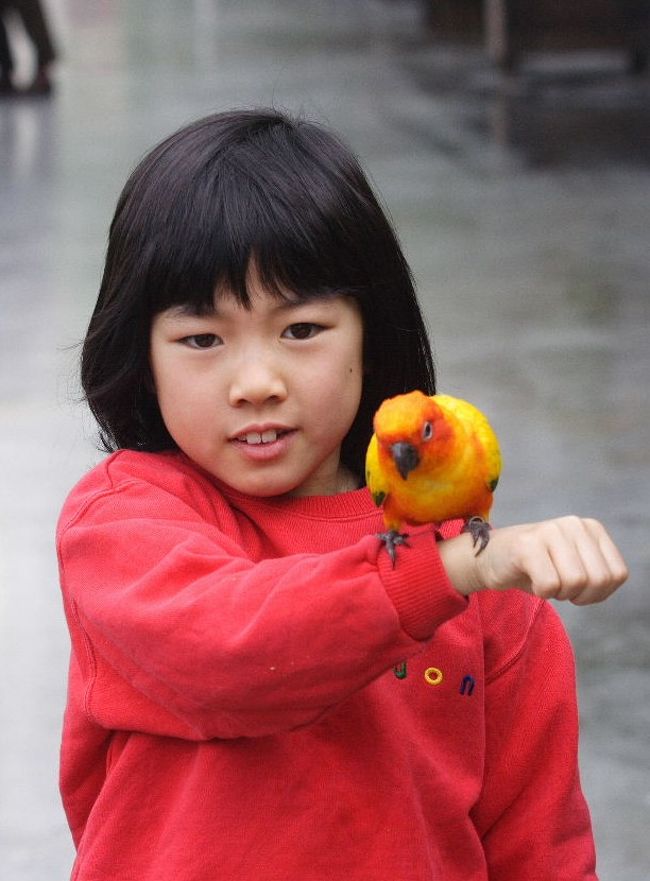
[[432, 459]]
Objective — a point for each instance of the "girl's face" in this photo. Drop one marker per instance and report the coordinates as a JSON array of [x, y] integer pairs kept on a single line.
[[262, 398]]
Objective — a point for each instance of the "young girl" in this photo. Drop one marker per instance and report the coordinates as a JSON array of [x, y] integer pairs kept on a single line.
[[238, 705]]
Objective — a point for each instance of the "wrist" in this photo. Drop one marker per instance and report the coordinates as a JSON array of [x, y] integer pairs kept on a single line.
[[458, 556]]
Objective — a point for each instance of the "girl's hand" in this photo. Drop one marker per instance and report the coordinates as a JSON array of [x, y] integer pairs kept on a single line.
[[568, 558]]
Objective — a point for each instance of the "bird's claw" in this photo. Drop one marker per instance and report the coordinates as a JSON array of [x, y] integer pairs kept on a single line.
[[479, 529], [392, 539]]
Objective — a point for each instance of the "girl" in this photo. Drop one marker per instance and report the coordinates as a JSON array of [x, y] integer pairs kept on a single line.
[[234, 710]]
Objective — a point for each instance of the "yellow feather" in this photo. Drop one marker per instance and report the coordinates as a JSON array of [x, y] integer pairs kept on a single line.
[[376, 484], [470, 415]]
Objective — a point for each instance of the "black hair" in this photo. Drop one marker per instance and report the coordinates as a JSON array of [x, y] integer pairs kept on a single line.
[[222, 192]]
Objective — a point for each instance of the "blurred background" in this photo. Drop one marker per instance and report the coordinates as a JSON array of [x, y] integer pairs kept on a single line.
[[514, 157]]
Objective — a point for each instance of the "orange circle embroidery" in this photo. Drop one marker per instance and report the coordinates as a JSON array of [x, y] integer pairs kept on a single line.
[[433, 675]]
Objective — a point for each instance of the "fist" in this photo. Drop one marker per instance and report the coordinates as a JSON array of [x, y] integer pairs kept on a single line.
[[568, 558]]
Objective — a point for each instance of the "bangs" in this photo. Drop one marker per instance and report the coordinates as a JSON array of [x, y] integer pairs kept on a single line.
[[267, 204]]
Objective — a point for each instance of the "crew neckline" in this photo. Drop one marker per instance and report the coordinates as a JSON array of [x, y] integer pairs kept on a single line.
[[354, 503], [350, 504]]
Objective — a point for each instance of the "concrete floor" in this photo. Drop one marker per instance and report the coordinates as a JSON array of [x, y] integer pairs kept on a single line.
[[524, 208]]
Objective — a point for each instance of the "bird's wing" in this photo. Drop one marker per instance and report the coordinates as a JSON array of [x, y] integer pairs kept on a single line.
[[490, 444], [471, 416], [377, 483], [493, 457]]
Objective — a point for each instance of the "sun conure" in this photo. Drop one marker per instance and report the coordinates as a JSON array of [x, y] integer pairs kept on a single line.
[[432, 459]]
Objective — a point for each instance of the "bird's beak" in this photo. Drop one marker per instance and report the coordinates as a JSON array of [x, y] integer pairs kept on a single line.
[[406, 457]]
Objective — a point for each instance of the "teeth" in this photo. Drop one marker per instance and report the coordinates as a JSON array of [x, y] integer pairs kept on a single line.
[[266, 437]]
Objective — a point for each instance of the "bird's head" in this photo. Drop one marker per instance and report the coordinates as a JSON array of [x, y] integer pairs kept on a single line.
[[409, 428]]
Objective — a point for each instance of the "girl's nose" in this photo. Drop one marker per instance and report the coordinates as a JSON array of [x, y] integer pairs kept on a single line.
[[257, 382]]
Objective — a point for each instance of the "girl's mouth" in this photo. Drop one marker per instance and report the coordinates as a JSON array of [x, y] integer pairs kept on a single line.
[[265, 437], [263, 446]]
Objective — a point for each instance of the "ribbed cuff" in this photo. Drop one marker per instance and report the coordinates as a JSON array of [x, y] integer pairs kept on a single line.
[[418, 585]]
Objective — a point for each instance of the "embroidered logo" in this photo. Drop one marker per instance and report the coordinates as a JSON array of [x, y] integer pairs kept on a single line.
[[434, 676]]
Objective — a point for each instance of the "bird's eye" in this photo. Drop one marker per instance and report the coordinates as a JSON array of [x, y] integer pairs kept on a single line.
[[427, 431]]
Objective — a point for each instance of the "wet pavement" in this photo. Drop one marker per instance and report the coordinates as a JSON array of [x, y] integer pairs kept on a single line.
[[523, 205]]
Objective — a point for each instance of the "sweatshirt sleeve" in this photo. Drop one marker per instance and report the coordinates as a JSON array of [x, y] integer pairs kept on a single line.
[[532, 815], [177, 632]]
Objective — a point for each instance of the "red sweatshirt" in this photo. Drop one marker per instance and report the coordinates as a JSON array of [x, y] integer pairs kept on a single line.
[[239, 708]]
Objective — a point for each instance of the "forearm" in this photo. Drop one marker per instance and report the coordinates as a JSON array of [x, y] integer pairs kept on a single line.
[[229, 647]]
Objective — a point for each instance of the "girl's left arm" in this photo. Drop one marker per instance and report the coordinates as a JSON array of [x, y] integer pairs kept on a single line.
[[532, 816]]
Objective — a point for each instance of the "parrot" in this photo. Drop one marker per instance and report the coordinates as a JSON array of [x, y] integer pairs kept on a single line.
[[432, 458]]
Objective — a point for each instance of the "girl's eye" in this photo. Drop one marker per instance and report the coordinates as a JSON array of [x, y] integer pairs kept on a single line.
[[304, 330], [427, 431], [201, 340]]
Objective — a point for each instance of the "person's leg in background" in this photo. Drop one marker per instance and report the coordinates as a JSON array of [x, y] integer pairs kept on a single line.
[[38, 31], [6, 58]]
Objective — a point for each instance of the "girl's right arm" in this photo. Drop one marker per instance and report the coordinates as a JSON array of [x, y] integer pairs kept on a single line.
[[177, 632]]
